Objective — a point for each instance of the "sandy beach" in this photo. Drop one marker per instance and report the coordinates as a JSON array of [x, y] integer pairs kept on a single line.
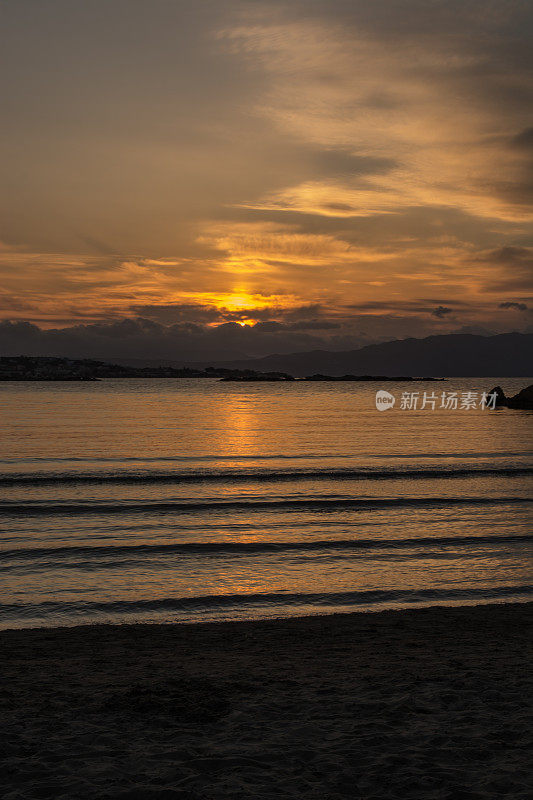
[[428, 703]]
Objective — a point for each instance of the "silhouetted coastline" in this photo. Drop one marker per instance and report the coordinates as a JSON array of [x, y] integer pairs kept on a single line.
[[281, 376], [48, 368], [44, 368]]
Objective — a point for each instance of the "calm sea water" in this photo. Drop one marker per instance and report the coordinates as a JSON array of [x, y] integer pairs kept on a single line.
[[165, 500]]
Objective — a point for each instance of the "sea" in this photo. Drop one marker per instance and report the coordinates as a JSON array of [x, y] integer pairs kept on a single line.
[[167, 500]]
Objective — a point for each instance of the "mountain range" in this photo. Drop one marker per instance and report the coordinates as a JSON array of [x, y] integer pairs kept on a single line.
[[451, 355]]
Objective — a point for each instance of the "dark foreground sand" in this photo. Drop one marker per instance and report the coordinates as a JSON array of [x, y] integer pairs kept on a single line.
[[426, 703]]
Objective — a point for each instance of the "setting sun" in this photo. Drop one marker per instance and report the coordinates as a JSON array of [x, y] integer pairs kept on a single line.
[[238, 302], [242, 301]]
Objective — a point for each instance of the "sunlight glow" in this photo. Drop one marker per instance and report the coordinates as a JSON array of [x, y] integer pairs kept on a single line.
[[242, 300]]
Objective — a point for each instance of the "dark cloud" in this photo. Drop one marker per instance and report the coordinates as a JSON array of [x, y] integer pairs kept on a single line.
[[147, 339], [524, 139], [341, 163], [298, 318], [409, 18], [510, 254], [408, 306], [441, 311], [269, 327], [313, 325], [305, 312], [186, 341], [10, 303], [300, 325], [177, 312], [516, 306], [519, 192], [515, 269]]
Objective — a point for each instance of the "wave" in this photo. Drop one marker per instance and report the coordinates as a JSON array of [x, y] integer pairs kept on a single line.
[[262, 599], [317, 503], [252, 548], [257, 457], [258, 476]]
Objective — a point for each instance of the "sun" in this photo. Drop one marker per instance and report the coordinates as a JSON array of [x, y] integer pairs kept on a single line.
[[240, 302], [240, 305]]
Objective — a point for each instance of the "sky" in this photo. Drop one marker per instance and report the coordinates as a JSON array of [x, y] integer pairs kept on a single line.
[[219, 179]]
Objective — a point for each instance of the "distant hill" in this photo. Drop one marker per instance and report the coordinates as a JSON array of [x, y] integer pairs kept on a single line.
[[454, 355]]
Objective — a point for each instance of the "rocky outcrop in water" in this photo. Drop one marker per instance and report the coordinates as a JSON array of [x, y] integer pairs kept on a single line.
[[524, 398]]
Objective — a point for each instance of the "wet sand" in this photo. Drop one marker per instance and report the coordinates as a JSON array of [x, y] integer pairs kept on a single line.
[[428, 703]]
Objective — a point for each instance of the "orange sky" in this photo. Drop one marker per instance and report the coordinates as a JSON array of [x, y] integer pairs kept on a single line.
[[365, 166]]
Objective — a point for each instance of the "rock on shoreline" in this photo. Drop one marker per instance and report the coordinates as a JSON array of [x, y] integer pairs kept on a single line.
[[522, 400]]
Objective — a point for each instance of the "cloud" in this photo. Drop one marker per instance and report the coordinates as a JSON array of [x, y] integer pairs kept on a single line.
[[268, 317], [510, 255], [512, 269], [516, 306], [256, 246], [437, 119], [193, 338], [231, 162], [171, 313], [146, 339], [524, 139], [313, 325], [441, 311], [266, 264]]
